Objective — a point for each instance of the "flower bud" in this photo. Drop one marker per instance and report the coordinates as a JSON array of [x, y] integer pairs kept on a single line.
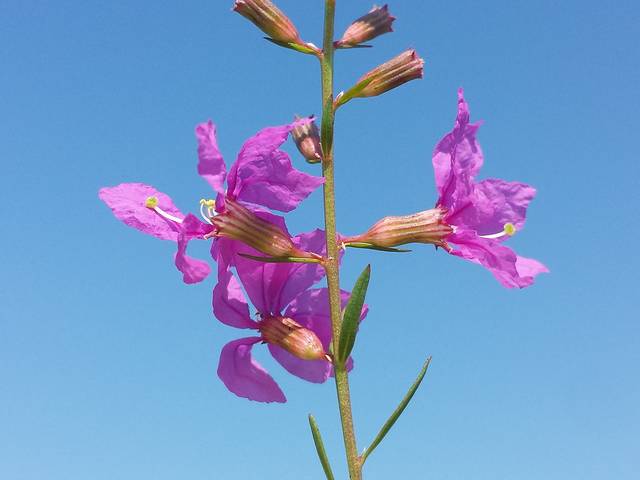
[[307, 138], [405, 67], [422, 227], [239, 223], [293, 337], [268, 18], [375, 23]]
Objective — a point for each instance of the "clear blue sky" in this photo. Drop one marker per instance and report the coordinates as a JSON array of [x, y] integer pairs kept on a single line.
[[107, 361]]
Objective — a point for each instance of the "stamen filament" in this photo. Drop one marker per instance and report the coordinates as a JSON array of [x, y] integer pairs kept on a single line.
[[509, 229], [210, 210], [152, 203]]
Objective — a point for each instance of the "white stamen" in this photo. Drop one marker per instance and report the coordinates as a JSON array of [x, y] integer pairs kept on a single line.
[[208, 210], [203, 215], [509, 229], [166, 215]]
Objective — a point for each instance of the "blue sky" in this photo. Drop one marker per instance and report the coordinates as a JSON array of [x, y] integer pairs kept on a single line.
[[107, 361]]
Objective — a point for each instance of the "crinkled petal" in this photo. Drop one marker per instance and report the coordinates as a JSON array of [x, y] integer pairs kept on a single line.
[[494, 203], [494, 256], [127, 201], [311, 310], [193, 270], [263, 174], [211, 165], [271, 286], [457, 159], [244, 376], [529, 267], [315, 371], [229, 303]]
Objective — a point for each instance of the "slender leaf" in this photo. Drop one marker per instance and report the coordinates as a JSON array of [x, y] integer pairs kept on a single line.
[[353, 92], [351, 317], [349, 47], [322, 454], [374, 247], [281, 259], [397, 412], [294, 46]]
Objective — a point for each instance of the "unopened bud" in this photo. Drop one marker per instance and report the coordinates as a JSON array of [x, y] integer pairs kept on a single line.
[[293, 337], [307, 138], [268, 18], [405, 67], [422, 227], [239, 223], [375, 23]]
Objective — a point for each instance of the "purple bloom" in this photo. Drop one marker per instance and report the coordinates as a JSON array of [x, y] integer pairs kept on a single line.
[[262, 176], [475, 217], [293, 320], [483, 214]]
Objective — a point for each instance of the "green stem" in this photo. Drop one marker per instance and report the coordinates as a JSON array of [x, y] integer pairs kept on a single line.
[[331, 264]]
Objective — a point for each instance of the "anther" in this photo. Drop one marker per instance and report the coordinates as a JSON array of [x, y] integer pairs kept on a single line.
[[152, 203]]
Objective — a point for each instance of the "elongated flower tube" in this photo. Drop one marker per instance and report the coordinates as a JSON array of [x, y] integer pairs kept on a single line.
[[293, 319], [375, 23], [472, 218], [239, 223], [399, 70], [268, 18], [261, 176]]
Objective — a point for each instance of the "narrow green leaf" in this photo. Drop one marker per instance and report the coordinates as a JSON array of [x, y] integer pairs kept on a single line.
[[293, 46], [349, 47], [396, 413], [369, 246], [322, 454], [352, 92], [280, 259], [351, 317]]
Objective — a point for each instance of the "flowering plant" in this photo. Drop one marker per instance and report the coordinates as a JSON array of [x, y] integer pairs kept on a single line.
[[311, 331]]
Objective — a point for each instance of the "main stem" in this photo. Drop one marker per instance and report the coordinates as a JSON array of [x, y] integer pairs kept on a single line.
[[332, 263]]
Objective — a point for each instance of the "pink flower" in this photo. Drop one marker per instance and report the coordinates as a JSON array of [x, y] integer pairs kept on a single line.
[[292, 319], [474, 217], [482, 213], [262, 175]]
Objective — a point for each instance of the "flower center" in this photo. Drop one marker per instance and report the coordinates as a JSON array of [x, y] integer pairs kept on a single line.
[[208, 209], [509, 229], [152, 203]]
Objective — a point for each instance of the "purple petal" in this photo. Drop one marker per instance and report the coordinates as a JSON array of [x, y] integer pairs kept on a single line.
[[263, 175], [494, 256], [244, 376], [271, 286], [494, 203], [127, 201], [211, 166], [193, 270], [457, 159], [529, 268], [229, 304], [315, 371]]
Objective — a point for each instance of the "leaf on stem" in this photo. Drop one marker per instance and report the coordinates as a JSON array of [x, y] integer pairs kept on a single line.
[[396, 413], [298, 47], [322, 454], [351, 317], [370, 246], [281, 259]]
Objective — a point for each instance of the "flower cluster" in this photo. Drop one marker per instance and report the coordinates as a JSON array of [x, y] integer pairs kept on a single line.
[[239, 222], [260, 263]]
